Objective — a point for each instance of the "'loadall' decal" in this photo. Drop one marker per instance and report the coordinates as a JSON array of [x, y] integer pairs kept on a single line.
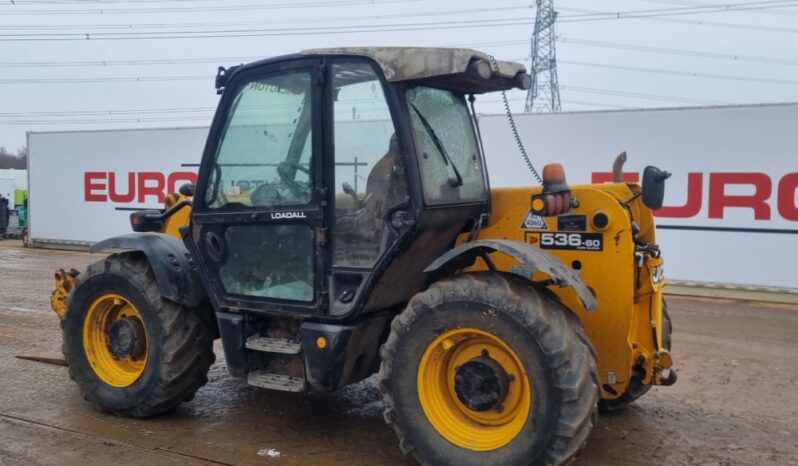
[[287, 215]]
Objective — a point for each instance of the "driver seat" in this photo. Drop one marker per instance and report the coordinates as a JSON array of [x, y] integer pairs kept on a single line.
[[385, 187], [362, 237]]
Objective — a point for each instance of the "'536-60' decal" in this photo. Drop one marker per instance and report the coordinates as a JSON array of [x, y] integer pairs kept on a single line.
[[574, 241]]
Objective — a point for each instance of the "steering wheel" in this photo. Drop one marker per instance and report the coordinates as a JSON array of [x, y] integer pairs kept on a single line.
[[265, 195], [286, 171]]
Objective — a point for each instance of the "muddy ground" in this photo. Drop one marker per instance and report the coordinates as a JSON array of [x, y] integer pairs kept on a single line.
[[736, 401]]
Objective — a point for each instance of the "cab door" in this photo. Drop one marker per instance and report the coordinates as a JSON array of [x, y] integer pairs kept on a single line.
[[371, 201], [257, 222]]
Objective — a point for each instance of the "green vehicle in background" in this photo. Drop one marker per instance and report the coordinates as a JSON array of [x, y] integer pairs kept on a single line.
[[20, 197], [22, 216], [21, 201]]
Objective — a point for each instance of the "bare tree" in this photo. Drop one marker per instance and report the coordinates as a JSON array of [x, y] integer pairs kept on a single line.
[[18, 161]]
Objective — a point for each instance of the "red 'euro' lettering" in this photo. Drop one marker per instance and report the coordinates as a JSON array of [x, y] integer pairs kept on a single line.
[[787, 205], [758, 201], [131, 188], [145, 190], [141, 186], [90, 187], [691, 208]]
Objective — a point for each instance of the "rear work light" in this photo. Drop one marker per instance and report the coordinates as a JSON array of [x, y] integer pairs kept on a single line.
[[556, 197]]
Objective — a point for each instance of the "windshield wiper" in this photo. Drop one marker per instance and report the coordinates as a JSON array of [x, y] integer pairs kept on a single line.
[[442, 150]]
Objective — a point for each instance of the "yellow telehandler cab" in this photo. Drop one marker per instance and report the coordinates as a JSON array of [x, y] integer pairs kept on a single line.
[[342, 224]]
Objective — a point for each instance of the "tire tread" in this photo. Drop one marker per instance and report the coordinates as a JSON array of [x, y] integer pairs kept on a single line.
[[187, 351], [570, 353]]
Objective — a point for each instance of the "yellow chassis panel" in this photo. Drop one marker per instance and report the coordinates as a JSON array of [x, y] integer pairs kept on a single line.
[[179, 218], [626, 330]]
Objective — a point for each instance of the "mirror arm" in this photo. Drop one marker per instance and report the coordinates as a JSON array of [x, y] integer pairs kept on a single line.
[[631, 199], [168, 213]]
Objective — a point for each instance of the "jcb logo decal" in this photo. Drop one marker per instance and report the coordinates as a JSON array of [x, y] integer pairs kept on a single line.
[[657, 273]]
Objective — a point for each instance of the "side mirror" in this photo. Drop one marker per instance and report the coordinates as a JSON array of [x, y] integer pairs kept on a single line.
[[654, 186]]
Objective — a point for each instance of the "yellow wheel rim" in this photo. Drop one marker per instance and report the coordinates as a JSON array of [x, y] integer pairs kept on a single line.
[[468, 428], [118, 371]]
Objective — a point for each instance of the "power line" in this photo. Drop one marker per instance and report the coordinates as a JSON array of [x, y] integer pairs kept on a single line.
[[325, 19], [171, 61], [684, 52], [48, 115], [565, 40], [315, 4], [694, 22], [109, 121], [636, 95], [89, 80], [191, 9], [596, 104], [682, 73], [584, 15], [103, 63], [106, 112], [21, 3], [749, 27], [268, 32], [593, 15], [198, 60], [682, 2]]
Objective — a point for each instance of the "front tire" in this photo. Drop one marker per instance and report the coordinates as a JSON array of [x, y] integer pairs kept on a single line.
[[485, 369], [131, 351]]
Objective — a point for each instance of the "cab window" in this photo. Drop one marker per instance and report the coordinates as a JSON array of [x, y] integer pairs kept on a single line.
[[446, 144], [369, 165], [264, 155]]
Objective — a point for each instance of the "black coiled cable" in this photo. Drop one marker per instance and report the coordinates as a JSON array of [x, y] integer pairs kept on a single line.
[[514, 129]]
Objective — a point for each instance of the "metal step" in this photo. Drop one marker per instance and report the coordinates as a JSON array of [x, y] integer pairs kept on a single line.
[[273, 345], [276, 381]]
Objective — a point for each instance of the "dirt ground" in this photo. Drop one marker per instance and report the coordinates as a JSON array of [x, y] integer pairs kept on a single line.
[[736, 401]]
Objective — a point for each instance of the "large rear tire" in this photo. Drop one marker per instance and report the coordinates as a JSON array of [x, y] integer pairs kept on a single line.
[[485, 369], [131, 351]]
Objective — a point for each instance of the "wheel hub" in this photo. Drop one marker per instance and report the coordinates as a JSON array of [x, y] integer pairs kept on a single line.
[[481, 384], [115, 340], [473, 389], [127, 338]]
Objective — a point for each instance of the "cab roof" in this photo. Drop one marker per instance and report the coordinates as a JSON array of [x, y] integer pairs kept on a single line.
[[450, 68], [444, 66]]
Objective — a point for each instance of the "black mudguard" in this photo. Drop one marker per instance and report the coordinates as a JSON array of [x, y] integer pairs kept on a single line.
[[171, 263], [531, 259]]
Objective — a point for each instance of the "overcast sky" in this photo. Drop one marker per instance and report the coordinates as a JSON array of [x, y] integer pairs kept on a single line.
[[649, 56]]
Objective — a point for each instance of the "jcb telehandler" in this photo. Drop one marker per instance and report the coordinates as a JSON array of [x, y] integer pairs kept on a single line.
[[342, 225]]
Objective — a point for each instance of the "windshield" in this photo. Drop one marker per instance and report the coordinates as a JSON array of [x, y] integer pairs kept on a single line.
[[448, 153]]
